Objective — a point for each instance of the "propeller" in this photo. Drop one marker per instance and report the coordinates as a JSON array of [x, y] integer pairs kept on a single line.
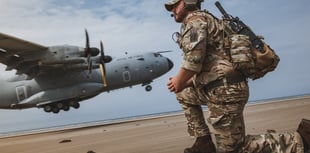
[[92, 51], [89, 52], [103, 59]]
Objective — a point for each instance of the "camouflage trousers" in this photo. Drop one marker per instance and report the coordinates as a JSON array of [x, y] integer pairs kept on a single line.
[[226, 124]]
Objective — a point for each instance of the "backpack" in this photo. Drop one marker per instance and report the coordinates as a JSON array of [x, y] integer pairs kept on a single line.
[[248, 60], [248, 53]]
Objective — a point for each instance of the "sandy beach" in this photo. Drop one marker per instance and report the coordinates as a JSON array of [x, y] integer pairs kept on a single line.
[[157, 135]]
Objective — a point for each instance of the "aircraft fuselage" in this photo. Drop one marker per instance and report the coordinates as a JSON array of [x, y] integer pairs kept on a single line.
[[53, 90]]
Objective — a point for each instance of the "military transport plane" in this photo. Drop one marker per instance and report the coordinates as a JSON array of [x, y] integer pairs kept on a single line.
[[59, 77]]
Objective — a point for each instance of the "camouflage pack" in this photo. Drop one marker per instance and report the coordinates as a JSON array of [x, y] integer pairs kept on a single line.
[[251, 62], [248, 52]]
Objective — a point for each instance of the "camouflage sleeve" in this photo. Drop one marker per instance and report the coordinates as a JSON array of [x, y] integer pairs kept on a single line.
[[194, 44]]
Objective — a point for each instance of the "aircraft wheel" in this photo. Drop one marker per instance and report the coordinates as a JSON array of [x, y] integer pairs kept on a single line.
[[60, 105], [71, 103], [47, 108], [148, 88], [66, 108], [55, 110], [76, 105]]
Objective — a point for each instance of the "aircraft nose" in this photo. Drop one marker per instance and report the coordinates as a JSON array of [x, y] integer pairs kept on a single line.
[[170, 64]]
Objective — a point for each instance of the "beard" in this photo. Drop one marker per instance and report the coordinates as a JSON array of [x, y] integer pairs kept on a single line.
[[180, 16]]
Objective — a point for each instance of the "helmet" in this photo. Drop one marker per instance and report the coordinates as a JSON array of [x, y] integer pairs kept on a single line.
[[169, 5], [189, 4]]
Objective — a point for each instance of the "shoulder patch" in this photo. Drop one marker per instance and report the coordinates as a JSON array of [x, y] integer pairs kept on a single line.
[[193, 35]]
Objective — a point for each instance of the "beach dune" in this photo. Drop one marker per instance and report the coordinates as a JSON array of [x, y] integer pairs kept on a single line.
[[165, 134]]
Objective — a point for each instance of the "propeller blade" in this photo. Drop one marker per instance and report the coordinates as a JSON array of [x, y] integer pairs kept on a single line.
[[103, 74], [102, 50], [102, 65], [104, 59], [90, 64], [87, 52], [87, 42]]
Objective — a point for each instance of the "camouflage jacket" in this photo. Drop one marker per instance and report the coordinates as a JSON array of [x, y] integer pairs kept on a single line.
[[202, 40]]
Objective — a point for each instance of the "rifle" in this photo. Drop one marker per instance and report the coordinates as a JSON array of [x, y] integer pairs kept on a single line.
[[240, 28]]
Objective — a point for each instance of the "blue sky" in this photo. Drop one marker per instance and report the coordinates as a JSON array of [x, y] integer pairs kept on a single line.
[[137, 26]]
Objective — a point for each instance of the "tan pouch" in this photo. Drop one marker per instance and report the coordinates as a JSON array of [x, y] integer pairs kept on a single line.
[[264, 62]]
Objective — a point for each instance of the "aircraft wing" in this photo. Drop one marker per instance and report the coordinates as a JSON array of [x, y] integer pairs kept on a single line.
[[20, 54]]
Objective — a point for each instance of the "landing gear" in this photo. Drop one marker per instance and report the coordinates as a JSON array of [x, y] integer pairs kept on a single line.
[[56, 107], [66, 108], [47, 108], [60, 105], [56, 110], [75, 105], [147, 85], [148, 88]]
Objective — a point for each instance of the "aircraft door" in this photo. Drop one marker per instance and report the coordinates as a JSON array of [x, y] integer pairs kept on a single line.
[[126, 76], [21, 93]]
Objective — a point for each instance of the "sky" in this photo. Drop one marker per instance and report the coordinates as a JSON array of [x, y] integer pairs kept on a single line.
[[138, 26]]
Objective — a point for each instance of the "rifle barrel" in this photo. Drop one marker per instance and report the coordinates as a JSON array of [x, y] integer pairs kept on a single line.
[[219, 6]]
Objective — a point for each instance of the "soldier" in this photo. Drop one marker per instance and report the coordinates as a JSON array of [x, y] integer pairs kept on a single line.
[[207, 77]]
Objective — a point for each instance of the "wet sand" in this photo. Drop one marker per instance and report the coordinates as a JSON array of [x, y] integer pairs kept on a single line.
[[157, 135]]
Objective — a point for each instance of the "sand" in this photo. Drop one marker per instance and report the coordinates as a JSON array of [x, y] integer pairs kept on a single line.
[[157, 135]]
